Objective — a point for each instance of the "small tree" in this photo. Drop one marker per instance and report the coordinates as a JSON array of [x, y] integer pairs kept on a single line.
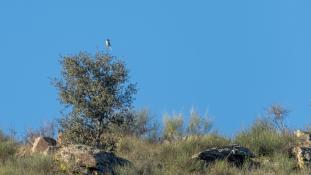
[[96, 91]]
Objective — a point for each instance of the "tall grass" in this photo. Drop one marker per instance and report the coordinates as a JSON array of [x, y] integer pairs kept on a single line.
[[7, 150], [165, 157], [10, 164], [169, 158], [32, 165], [264, 139], [160, 158]]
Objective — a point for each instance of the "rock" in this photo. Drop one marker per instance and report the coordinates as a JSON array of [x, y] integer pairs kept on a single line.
[[303, 156], [234, 154], [302, 151], [87, 160], [60, 138], [304, 137], [43, 145]]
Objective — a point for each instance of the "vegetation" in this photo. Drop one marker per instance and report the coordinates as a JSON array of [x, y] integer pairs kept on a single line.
[[32, 165], [264, 139], [163, 156], [10, 164], [97, 94]]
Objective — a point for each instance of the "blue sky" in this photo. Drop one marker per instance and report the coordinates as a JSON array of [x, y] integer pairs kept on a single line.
[[231, 59]]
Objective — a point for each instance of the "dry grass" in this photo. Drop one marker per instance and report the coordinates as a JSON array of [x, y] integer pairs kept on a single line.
[[32, 165]]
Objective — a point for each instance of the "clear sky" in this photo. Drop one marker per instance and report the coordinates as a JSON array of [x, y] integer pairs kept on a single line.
[[229, 58]]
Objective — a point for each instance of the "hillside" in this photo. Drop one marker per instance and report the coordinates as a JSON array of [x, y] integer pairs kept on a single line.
[[164, 155]]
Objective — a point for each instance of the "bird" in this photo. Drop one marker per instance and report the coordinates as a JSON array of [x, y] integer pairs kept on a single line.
[[108, 44]]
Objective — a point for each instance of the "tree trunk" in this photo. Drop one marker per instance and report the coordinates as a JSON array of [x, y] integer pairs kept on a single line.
[[99, 132]]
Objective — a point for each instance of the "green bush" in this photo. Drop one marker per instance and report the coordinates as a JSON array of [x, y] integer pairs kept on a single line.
[[264, 139]]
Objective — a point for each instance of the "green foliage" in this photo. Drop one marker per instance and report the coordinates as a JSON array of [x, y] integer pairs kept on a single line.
[[77, 130], [264, 139], [96, 91]]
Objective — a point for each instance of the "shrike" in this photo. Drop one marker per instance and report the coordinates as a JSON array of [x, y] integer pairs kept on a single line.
[[107, 44]]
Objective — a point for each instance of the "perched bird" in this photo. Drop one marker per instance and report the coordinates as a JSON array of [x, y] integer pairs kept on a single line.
[[107, 44]]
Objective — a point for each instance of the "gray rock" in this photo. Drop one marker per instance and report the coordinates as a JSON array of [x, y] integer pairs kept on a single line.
[[43, 145], [234, 154], [88, 160]]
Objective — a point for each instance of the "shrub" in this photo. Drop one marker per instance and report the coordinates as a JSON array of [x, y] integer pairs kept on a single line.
[[173, 127], [264, 139], [140, 125], [198, 125]]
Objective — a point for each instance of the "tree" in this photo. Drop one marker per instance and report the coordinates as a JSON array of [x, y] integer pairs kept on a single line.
[[97, 92]]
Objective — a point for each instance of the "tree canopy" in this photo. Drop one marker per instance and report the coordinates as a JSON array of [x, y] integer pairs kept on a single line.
[[96, 90]]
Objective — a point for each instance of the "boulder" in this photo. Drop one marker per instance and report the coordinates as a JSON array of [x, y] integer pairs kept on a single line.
[[303, 156], [234, 154], [304, 137], [87, 160], [43, 145], [302, 151]]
